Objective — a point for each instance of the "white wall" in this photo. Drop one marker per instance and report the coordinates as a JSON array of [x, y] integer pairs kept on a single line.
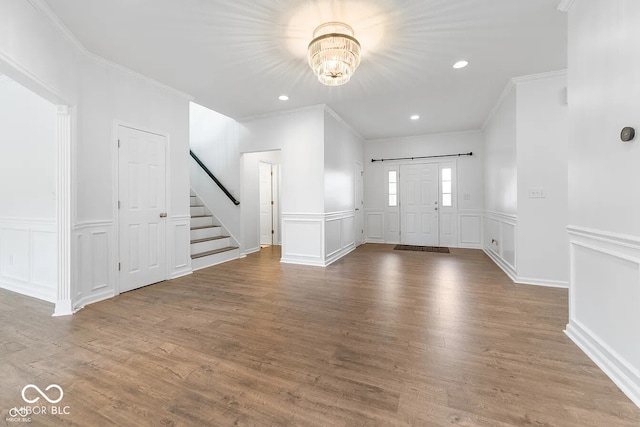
[[42, 56], [342, 149], [501, 182], [318, 154], [299, 134], [215, 140], [28, 237], [250, 201], [526, 152], [542, 159], [381, 223], [604, 195], [27, 153], [500, 168]]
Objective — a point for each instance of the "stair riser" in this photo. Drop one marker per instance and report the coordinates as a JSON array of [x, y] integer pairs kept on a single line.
[[210, 245], [193, 201], [198, 210], [210, 260], [201, 222], [205, 233]]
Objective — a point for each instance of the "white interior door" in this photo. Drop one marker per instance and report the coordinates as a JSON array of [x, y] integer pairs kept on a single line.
[[359, 204], [419, 204], [266, 204], [142, 208]]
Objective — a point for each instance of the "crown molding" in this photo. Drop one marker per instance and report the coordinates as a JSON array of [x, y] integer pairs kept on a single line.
[[503, 97], [42, 7], [513, 82], [541, 76], [424, 135], [340, 120], [565, 5]]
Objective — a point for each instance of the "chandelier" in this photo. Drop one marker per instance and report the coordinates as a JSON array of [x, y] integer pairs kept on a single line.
[[334, 53]]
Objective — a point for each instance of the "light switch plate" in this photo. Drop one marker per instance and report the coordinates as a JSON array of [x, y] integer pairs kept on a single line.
[[537, 193]]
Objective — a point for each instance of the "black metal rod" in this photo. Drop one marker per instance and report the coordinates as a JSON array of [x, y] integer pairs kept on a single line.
[[470, 153], [206, 169]]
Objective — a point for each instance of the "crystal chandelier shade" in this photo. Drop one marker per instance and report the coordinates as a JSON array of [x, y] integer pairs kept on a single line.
[[334, 53]]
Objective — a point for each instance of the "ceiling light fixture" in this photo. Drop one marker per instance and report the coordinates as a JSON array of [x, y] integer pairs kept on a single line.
[[334, 53], [460, 64], [414, 117], [283, 98]]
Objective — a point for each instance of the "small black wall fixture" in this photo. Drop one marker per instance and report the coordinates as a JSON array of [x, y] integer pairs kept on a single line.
[[208, 172], [470, 153]]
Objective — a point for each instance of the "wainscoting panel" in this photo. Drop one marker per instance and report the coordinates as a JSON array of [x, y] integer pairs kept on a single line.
[[448, 226], [374, 226], [178, 246], [339, 235], [392, 222], [604, 303], [303, 238], [28, 257], [470, 229], [500, 241], [94, 264]]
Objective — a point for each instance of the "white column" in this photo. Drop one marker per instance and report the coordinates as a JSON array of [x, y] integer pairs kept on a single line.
[[64, 304]]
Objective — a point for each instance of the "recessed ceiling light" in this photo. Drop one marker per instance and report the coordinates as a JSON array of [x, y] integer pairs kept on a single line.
[[460, 64], [283, 98], [415, 117]]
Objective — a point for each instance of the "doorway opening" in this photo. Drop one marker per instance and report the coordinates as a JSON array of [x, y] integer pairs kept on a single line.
[[269, 203], [261, 213]]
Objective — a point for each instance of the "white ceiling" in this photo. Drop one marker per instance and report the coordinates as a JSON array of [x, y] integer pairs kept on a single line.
[[237, 56]]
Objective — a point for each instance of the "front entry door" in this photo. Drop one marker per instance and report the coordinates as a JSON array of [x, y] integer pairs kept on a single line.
[[142, 208], [419, 204]]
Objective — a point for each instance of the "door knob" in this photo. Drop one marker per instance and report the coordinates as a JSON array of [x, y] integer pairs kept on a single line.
[[435, 209], [163, 215]]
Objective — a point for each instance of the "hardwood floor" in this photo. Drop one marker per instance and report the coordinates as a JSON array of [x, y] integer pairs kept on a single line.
[[381, 337]]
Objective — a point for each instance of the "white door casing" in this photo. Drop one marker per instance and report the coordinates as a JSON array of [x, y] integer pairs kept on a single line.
[[142, 213], [266, 204], [419, 204], [359, 203]]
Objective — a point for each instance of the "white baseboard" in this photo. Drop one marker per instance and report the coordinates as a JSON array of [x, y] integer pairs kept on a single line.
[[28, 289], [626, 378], [181, 273], [93, 298], [250, 251], [341, 253], [500, 263], [302, 261], [542, 282]]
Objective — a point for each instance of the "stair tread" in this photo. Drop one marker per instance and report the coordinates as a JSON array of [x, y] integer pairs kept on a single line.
[[207, 239], [217, 251], [201, 216], [205, 226], [196, 206]]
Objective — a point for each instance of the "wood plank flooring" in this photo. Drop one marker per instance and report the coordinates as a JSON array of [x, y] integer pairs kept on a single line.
[[381, 337]]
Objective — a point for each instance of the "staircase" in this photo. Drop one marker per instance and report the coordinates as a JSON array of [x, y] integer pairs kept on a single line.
[[210, 244]]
